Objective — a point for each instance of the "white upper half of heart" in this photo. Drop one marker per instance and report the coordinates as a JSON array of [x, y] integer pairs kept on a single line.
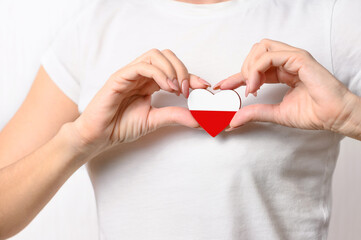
[[226, 100]]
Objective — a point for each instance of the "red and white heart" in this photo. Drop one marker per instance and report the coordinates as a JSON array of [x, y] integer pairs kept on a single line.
[[213, 112]]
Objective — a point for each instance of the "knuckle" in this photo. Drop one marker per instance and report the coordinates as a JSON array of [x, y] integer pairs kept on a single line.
[[305, 54], [168, 51], [117, 74], [113, 76], [266, 44], [267, 57], [265, 41], [153, 51], [255, 45]]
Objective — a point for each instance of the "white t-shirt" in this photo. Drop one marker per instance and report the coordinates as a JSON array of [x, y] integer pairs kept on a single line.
[[263, 181]]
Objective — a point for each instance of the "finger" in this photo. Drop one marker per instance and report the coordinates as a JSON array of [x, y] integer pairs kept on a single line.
[[286, 60], [255, 113], [197, 82], [264, 46], [184, 79], [258, 49], [132, 73], [148, 88], [237, 79], [218, 85], [158, 59], [180, 69], [161, 117], [256, 53], [231, 82], [272, 45], [244, 68]]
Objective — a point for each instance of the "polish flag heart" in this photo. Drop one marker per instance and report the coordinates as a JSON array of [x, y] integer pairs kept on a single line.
[[213, 112]]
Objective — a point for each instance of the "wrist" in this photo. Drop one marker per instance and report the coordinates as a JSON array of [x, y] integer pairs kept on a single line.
[[79, 151], [351, 124]]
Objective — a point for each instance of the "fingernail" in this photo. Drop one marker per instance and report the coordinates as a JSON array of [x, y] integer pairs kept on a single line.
[[218, 85], [185, 88], [231, 129], [204, 82], [172, 85], [255, 94], [175, 81], [246, 90]]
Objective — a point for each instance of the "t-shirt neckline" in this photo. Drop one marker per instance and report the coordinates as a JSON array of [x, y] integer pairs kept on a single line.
[[200, 10]]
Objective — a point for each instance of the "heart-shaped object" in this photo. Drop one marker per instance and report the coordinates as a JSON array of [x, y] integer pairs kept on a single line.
[[213, 112]]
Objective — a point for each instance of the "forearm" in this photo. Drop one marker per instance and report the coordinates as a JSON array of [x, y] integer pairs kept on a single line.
[[28, 184], [352, 125]]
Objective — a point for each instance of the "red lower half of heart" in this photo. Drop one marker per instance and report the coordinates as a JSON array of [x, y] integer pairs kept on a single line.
[[213, 121]]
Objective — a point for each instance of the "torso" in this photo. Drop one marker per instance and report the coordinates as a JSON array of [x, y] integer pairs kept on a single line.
[[262, 181]]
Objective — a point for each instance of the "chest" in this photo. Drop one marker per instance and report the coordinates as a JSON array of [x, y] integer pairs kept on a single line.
[[212, 48]]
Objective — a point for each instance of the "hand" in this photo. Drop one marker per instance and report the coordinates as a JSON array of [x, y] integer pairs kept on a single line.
[[121, 111], [316, 99]]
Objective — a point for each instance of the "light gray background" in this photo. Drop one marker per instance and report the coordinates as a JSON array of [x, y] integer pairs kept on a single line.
[[26, 29]]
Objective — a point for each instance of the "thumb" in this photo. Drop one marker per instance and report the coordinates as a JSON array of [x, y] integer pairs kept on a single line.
[[255, 113], [161, 117]]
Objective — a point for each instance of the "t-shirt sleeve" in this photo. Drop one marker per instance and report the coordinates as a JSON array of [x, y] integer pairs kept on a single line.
[[64, 59], [61, 62], [346, 43]]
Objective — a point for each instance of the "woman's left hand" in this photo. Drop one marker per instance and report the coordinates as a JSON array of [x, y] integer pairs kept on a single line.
[[316, 99]]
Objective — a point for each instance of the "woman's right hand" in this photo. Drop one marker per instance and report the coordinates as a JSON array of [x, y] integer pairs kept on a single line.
[[48, 151], [55, 141], [121, 111]]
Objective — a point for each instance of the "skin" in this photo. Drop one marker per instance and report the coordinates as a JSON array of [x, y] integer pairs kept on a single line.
[[43, 145], [316, 99], [56, 141]]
